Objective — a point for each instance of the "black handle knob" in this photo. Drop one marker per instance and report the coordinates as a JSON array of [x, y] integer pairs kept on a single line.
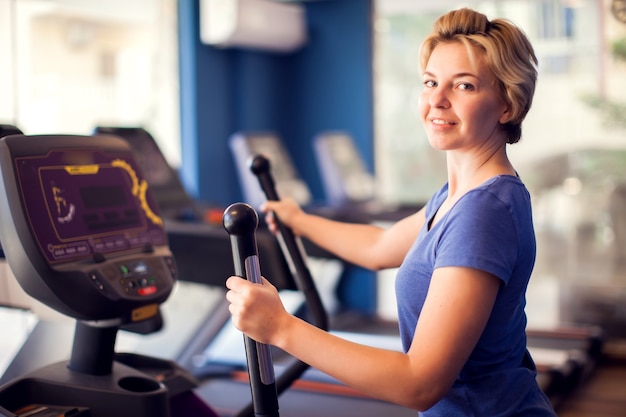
[[260, 166], [241, 221]]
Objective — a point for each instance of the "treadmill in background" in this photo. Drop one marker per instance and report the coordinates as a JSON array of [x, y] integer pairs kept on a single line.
[[344, 175], [288, 181], [348, 183]]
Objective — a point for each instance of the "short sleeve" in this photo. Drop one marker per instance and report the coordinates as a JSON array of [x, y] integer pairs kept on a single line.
[[479, 232]]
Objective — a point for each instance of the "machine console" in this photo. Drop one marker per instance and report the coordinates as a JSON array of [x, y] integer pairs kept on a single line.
[[80, 229]]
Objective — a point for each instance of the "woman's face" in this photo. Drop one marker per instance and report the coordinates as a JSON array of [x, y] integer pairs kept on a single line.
[[460, 105]]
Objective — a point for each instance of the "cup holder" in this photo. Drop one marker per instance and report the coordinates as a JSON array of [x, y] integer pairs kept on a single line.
[[138, 384]]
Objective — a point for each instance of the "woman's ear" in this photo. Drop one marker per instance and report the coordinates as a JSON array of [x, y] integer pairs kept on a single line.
[[506, 115]]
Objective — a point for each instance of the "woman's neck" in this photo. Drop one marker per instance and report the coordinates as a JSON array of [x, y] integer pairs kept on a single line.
[[467, 171]]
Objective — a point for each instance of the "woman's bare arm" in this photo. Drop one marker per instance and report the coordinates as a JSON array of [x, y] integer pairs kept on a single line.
[[450, 325], [366, 245]]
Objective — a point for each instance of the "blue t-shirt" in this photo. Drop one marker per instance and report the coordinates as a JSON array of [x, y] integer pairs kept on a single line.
[[490, 228]]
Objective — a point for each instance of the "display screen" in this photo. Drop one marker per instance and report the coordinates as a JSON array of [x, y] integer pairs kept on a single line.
[[95, 203], [103, 196]]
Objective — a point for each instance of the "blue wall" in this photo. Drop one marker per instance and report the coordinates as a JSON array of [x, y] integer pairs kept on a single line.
[[327, 85]]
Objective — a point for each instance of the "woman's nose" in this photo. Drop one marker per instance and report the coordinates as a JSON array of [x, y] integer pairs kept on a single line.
[[438, 98]]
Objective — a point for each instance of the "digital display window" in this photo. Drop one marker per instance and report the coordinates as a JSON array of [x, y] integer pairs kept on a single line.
[[100, 205], [103, 196], [83, 206]]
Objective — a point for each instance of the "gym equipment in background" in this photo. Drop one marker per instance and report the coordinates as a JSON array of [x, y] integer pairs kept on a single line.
[[349, 186], [288, 182], [83, 235], [169, 193], [344, 175]]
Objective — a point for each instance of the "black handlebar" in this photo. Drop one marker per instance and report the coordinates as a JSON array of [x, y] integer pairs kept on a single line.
[[241, 221], [291, 246]]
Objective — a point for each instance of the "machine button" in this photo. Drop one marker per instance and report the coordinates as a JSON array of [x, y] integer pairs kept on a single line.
[[147, 290], [96, 281]]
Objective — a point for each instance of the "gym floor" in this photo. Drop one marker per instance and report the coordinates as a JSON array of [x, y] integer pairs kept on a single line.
[[604, 393]]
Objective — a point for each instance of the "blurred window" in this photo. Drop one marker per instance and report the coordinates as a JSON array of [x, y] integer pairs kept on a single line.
[[580, 99], [69, 65], [572, 155]]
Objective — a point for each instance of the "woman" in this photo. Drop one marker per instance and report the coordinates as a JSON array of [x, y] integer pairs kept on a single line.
[[465, 259]]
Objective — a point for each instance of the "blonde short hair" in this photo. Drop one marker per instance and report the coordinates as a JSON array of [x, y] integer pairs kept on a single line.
[[506, 51]]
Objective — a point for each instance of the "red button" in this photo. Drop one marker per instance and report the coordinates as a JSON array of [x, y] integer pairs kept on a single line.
[[147, 290]]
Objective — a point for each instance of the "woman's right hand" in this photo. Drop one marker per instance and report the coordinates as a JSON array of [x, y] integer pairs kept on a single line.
[[287, 210]]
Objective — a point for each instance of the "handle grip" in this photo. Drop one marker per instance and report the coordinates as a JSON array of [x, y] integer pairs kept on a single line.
[[241, 221], [291, 245]]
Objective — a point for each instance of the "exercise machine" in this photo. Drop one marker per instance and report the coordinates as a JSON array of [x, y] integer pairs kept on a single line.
[[86, 238], [83, 235], [308, 386], [196, 236]]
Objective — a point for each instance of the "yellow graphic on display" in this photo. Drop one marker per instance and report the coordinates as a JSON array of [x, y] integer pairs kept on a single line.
[[65, 213], [139, 189], [82, 169]]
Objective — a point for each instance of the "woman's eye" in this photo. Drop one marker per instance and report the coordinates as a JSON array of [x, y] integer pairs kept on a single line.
[[466, 86], [430, 83]]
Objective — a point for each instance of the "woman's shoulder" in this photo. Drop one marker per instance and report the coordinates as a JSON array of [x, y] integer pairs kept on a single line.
[[507, 188], [502, 196]]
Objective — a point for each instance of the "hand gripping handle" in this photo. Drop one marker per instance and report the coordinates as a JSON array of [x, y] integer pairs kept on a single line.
[[241, 221]]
